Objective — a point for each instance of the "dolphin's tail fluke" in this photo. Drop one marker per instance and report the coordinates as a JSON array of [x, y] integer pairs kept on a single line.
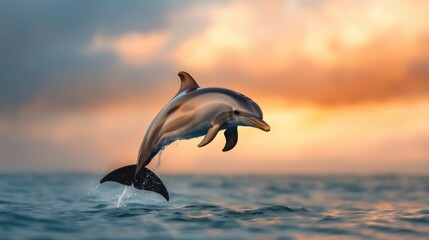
[[144, 180], [123, 175], [147, 180]]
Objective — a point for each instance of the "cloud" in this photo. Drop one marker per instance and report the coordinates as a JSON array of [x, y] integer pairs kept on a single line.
[[43, 48], [328, 53], [323, 34], [320, 52], [133, 48]]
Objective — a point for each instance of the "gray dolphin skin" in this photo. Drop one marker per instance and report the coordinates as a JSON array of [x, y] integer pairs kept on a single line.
[[193, 112]]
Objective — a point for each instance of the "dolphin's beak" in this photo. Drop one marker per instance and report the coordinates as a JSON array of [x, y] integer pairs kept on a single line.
[[259, 123]]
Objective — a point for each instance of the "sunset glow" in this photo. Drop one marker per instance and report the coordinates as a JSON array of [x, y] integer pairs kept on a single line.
[[343, 84]]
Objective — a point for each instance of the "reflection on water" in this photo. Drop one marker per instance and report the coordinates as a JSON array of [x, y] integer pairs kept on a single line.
[[61, 206]]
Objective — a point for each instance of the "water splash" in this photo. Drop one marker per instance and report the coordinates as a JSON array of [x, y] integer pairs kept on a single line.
[[93, 189], [91, 194], [118, 204]]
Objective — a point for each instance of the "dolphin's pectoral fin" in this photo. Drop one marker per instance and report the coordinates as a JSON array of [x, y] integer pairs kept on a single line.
[[147, 180], [211, 134], [231, 136]]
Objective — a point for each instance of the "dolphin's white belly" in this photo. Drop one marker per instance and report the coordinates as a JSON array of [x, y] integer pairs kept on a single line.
[[188, 125]]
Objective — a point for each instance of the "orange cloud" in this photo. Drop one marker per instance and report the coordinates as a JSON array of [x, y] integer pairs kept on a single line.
[[270, 36], [324, 53], [335, 52]]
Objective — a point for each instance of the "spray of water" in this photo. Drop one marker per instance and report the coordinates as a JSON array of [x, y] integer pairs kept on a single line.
[[121, 197], [118, 204], [93, 189]]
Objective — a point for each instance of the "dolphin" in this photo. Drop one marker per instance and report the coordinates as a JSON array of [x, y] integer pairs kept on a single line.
[[193, 112]]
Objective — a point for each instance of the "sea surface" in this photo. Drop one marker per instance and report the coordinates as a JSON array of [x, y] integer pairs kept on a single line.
[[74, 206]]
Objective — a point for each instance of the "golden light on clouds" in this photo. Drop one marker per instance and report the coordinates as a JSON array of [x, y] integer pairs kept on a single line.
[[267, 37]]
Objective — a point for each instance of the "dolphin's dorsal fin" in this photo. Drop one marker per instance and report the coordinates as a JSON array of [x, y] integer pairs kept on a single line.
[[187, 82]]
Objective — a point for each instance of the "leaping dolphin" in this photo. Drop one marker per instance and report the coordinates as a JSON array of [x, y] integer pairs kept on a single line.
[[193, 112]]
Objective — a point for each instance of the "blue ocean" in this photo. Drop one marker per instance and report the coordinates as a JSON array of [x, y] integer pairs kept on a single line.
[[75, 206]]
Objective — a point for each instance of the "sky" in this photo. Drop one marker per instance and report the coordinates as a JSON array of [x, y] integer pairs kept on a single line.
[[343, 84]]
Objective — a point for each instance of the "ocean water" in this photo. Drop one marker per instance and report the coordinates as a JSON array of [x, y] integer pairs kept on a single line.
[[74, 206]]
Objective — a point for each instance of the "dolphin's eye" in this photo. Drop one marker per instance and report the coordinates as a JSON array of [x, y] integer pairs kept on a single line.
[[236, 112]]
